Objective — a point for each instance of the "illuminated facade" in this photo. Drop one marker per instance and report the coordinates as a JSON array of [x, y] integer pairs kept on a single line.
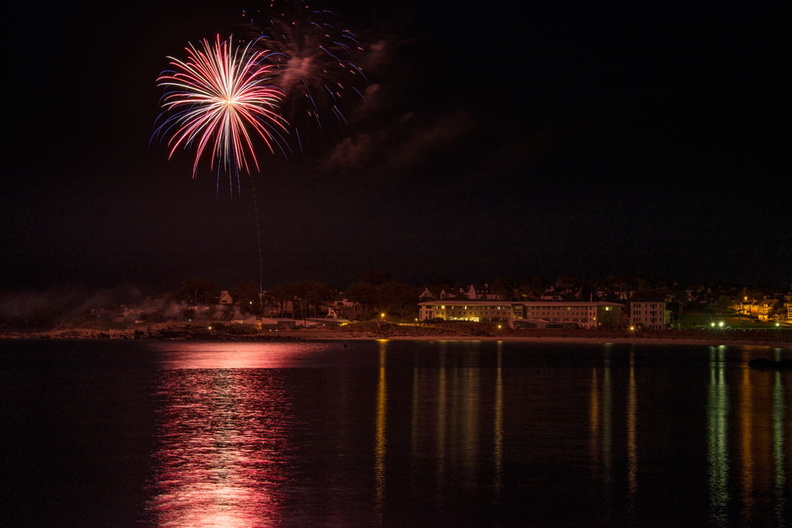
[[650, 315], [536, 314], [764, 310], [474, 311]]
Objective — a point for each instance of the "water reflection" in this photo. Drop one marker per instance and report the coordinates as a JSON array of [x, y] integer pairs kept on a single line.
[[780, 441], [247, 439], [747, 431], [632, 438], [497, 437], [601, 425], [230, 355], [380, 420], [717, 437], [222, 436], [457, 427]]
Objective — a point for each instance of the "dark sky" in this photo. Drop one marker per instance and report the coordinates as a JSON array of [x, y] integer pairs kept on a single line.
[[501, 141]]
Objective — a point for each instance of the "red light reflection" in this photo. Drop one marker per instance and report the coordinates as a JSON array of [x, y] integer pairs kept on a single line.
[[226, 355], [222, 438]]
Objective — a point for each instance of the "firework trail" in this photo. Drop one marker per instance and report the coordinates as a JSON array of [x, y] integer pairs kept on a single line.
[[221, 101], [314, 58]]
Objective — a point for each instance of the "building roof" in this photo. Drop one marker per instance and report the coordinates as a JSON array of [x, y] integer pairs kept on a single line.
[[469, 302]]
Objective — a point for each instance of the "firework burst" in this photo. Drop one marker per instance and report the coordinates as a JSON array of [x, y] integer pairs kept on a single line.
[[221, 101], [315, 62]]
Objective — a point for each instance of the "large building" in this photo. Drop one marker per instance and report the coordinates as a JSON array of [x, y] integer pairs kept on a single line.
[[540, 314], [467, 310], [649, 315]]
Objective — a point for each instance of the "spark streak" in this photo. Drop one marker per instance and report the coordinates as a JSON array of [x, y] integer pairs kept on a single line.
[[221, 101]]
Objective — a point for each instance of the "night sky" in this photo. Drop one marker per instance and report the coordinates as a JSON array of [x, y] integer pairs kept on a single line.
[[509, 140]]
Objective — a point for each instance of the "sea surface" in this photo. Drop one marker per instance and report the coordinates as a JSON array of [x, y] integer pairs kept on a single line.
[[117, 433]]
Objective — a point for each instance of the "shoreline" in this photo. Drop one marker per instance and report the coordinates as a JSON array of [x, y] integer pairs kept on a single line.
[[635, 340], [593, 340], [394, 332]]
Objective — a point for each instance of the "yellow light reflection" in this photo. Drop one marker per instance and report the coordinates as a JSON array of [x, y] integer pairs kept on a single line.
[[594, 414], [470, 395], [779, 438], [441, 419], [746, 419], [381, 442], [632, 444], [601, 424], [498, 425]]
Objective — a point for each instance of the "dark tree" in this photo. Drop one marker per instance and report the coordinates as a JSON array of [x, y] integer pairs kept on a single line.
[[197, 291]]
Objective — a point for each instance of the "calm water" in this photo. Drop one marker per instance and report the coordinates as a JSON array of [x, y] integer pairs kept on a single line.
[[399, 433]]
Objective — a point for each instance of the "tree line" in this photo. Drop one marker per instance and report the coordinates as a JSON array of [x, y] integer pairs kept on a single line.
[[374, 293], [377, 292]]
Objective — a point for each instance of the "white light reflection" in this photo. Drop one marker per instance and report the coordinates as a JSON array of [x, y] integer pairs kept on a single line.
[[717, 437]]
